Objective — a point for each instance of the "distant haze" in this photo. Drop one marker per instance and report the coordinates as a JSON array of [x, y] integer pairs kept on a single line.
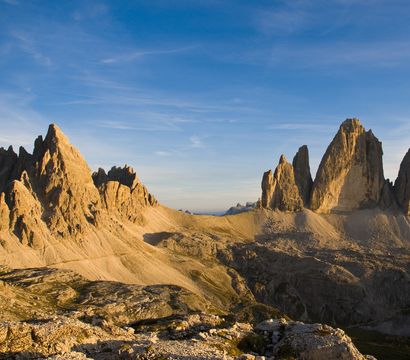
[[202, 97]]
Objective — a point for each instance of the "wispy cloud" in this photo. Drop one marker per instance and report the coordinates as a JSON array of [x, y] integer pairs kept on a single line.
[[369, 54], [138, 54], [300, 126], [89, 12], [325, 16], [285, 20], [30, 47], [196, 142], [322, 55], [139, 125], [20, 124], [164, 153], [11, 2], [124, 95]]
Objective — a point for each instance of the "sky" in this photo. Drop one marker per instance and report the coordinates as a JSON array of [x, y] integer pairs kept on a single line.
[[202, 97]]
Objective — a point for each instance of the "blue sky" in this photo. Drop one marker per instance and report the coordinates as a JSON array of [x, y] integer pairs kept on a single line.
[[201, 97]]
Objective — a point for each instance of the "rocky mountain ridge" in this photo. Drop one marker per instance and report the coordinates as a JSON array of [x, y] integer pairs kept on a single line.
[[51, 193], [350, 177], [344, 268]]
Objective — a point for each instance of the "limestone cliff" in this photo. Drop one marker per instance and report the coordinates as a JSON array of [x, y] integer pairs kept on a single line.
[[279, 191], [402, 184], [303, 177], [25, 215], [350, 175]]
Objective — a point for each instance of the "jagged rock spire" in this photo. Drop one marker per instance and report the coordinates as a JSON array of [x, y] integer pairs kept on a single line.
[[122, 193], [279, 191], [62, 179], [402, 184], [303, 178]]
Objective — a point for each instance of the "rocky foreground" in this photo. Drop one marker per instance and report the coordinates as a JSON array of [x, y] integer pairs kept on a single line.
[[55, 314]]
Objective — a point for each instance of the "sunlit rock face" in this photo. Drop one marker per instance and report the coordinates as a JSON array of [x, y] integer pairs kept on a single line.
[[122, 193], [350, 175], [279, 190], [51, 193]]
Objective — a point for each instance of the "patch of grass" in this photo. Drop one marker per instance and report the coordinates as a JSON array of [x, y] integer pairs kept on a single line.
[[125, 347], [256, 313], [230, 347], [253, 343]]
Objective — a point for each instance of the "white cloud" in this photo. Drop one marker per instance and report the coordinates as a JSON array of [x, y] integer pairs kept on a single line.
[[196, 142], [163, 153]]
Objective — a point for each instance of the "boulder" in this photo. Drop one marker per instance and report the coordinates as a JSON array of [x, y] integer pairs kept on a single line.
[[294, 339]]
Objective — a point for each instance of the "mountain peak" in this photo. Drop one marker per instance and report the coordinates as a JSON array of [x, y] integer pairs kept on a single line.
[[57, 180], [55, 135], [350, 124], [350, 175], [282, 159]]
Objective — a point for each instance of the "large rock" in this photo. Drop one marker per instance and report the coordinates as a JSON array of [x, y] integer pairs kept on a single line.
[[279, 191], [402, 184], [350, 175], [293, 339], [303, 177]]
